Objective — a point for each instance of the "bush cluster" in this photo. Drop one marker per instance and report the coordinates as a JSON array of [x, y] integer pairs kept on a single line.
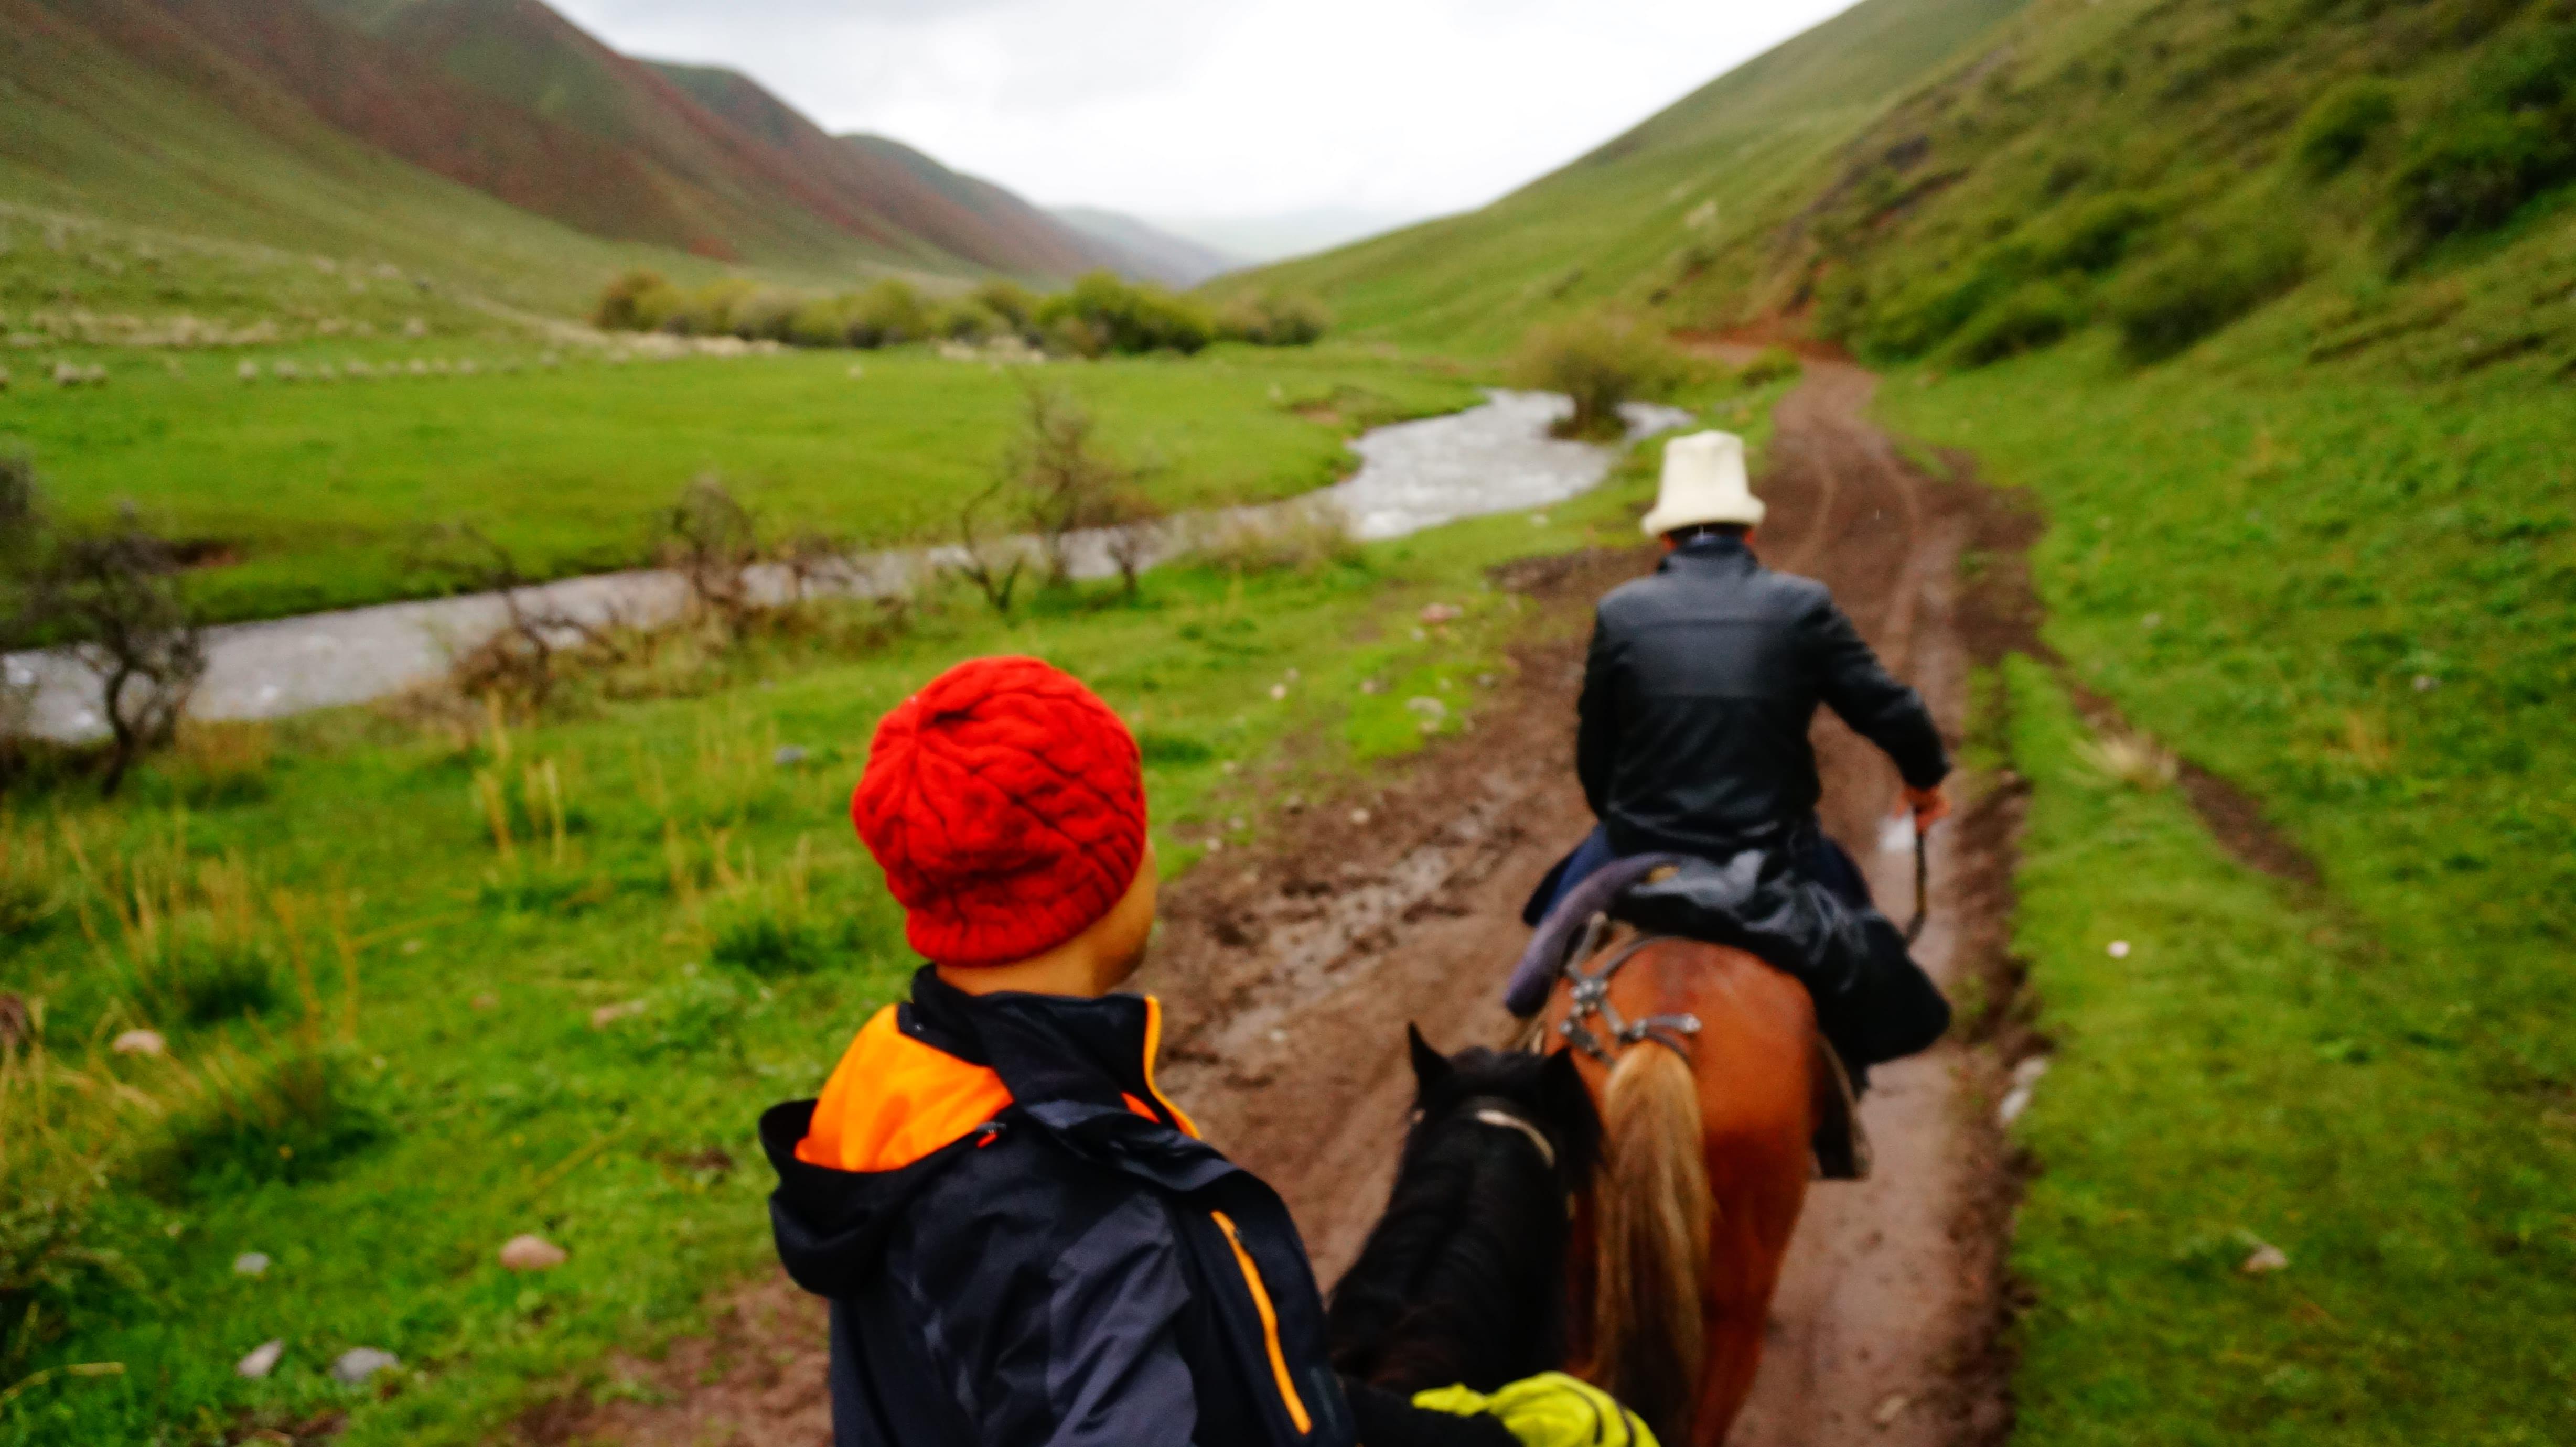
[[2342, 124], [2509, 136], [2211, 279], [1099, 315], [1601, 361], [1275, 319]]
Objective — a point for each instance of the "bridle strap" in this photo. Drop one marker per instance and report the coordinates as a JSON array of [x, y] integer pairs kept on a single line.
[[1591, 996], [1489, 1115]]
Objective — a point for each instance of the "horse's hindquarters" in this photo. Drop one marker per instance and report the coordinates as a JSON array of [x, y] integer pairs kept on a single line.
[[1751, 1068]]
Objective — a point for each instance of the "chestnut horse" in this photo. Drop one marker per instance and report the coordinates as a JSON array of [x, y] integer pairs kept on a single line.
[[1709, 1074]]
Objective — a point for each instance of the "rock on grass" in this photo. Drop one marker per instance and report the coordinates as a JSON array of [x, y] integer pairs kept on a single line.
[[531, 1253]]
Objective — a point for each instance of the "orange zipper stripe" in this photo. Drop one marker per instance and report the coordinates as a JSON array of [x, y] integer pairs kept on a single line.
[[1154, 1047], [1269, 1326]]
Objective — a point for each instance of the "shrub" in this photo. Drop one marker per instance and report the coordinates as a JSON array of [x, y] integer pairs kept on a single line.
[[821, 322], [1920, 317], [2507, 139], [887, 314], [1599, 360], [1276, 319], [1103, 314], [2036, 315], [708, 311], [639, 301], [968, 320], [1771, 364], [2203, 285], [765, 315], [2341, 125], [2095, 236], [1010, 301]]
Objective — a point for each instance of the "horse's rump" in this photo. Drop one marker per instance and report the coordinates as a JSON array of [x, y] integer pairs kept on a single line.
[[1705, 1168]]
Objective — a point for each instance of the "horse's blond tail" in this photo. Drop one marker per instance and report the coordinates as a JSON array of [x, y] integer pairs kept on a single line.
[[1653, 1211]]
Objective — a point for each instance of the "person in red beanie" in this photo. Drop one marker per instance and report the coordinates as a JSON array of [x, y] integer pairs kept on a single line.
[[1022, 1240]]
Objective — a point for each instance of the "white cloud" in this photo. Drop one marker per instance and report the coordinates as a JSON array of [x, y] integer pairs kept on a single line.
[[1224, 107]]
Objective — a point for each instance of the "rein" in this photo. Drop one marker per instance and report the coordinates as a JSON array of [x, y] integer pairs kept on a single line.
[[1591, 996]]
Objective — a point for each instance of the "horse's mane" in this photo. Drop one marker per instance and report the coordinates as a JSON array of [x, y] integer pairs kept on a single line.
[[1463, 1278]]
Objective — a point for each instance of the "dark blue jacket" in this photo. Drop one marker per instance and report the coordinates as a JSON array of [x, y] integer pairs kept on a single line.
[[1071, 1267]]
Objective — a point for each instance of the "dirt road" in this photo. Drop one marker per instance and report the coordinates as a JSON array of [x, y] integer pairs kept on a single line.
[[1291, 970]]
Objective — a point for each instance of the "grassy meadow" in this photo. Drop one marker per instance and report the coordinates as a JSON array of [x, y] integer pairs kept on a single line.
[[432, 978], [315, 493], [2352, 592]]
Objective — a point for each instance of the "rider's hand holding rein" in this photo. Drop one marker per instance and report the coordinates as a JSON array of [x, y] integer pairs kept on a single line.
[[1928, 806]]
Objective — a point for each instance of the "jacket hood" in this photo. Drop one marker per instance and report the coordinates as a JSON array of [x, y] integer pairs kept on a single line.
[[946, 1073]]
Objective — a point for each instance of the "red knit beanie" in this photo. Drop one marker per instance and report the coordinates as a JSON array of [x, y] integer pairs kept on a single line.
[[1006, 804]]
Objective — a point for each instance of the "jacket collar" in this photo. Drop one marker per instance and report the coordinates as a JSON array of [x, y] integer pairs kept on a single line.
[[1714, 554], [1081, 1069]]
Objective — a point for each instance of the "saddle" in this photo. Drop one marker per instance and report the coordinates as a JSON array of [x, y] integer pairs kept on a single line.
[[1747, 903]]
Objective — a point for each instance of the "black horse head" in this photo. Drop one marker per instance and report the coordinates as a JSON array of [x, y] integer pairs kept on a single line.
[[1463, 1278]]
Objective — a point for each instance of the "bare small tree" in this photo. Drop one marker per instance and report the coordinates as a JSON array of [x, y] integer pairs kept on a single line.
[[521, 658], [21, 529], [712, 541], [1132, 524], [1069, 484], [116, 595], [993, 564]]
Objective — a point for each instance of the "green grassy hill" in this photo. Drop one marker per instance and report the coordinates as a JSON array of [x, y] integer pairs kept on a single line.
[[1648, 207]]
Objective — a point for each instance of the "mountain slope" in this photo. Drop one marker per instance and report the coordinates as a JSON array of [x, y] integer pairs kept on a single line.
[[1646, 199], [1151, 252], [117, 109], [368, 128], [744, 197]]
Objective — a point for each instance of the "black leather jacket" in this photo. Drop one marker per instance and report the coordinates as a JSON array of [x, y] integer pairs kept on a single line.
[[1698, 693]]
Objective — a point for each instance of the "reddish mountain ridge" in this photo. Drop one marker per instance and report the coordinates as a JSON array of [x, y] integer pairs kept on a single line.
[[510, 99], [960, 214]]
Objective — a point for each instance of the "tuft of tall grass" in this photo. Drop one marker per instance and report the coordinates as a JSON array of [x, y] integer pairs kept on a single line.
[[245, 1120], [2130, 760], [1304, 537], [187, 936], [32, 881], [213, 764], [61, 1128]]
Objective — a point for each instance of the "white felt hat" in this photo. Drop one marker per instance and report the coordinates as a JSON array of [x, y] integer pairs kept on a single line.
[[1704, 484]]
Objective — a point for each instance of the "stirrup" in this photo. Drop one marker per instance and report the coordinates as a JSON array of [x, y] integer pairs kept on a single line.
[[1841, 1143]]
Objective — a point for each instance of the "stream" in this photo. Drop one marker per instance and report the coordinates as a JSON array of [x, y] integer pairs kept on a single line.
[[1496, 457]]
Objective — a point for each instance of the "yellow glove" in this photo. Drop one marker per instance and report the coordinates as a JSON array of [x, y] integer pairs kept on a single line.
[[1548, 1410]]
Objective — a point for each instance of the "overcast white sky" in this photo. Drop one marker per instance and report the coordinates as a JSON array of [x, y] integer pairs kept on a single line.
[[1224, 108]]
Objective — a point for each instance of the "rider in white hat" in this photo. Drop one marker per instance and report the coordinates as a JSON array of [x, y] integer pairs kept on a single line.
[[1704, 486], [1697, 696]]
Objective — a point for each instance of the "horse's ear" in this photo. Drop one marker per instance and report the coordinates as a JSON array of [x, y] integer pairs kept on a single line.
[[1430, 1067], [1566, 1102]]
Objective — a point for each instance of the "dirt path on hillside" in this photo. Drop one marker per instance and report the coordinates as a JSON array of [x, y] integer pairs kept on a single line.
[[1289, 971]]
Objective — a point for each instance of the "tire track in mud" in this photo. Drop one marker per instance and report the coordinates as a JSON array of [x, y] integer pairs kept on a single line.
[[1289, 971]]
